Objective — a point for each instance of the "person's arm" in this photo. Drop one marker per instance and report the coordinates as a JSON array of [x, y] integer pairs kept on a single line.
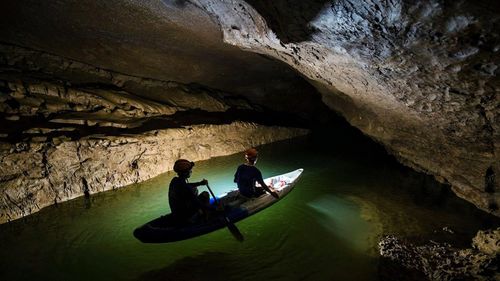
[[237, 175], [260, 180], [194, 196], [200, 183]]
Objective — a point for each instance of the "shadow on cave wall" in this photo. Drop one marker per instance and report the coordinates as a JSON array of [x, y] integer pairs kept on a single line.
[[289, 18]]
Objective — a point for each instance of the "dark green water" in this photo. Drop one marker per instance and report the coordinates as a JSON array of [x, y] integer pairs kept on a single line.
[[325, 229]]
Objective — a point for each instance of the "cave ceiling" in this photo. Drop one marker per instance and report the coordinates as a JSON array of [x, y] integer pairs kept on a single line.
[[169, 41]]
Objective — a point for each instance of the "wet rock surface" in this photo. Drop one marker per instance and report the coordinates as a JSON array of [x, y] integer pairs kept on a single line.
[[441, 261]]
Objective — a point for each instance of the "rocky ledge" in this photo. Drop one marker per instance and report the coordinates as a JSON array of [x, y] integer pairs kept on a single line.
[[441, 261], [39, 173]]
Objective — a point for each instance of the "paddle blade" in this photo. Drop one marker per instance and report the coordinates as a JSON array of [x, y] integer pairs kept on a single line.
[[234, 231]]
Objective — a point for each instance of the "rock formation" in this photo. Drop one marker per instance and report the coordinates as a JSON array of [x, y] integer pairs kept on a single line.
[[487, 241], [419, 77], [440, 261]]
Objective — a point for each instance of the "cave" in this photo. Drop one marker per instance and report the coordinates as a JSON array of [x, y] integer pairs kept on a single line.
[[390, 107]]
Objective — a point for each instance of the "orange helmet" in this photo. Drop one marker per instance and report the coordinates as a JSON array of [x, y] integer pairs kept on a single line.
[[251, 153], [183, 166]]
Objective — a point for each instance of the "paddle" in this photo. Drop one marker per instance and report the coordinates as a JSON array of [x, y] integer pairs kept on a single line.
[[232, 228]]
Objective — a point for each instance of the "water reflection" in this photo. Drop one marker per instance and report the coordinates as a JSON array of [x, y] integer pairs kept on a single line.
[[341, 218]]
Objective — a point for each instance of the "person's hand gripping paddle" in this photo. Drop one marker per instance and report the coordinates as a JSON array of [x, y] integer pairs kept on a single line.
[[232, 228]]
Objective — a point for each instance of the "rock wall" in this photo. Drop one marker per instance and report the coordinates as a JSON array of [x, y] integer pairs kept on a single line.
[[441, 261], [37, 174], [419, 77]]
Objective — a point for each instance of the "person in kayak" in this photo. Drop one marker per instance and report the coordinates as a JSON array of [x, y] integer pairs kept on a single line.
[[247, 175], [185, 202]]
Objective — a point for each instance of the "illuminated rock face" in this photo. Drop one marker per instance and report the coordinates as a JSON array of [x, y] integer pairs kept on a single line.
[[420, 77], [37, 174]]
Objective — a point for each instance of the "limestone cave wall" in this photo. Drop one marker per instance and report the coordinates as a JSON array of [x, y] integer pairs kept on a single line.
[[39, 173], [420, 77]]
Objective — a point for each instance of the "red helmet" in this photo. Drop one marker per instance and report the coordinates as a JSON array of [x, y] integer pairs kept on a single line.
[[251, 153], [183, 166]]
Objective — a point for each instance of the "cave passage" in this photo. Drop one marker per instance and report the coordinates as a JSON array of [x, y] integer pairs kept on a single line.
[[96, 95], [350, 194]]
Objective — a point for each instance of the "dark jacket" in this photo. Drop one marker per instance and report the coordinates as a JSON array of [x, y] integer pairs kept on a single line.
[[246, 176], [183, 198]]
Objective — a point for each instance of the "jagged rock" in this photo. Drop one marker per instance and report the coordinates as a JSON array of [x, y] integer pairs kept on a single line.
[[404, 73], [440, 261], [487, 241]]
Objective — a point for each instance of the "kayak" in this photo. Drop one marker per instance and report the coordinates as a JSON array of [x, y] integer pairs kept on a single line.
[[236, 207]]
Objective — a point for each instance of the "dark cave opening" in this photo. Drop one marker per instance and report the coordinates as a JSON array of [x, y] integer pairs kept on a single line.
[[290, 19], [489, 180]]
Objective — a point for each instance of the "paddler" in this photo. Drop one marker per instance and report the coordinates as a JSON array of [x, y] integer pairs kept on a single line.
[[247, 175], [185, 202]]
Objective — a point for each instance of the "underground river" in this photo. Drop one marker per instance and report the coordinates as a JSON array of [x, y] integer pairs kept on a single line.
[[327, 228]]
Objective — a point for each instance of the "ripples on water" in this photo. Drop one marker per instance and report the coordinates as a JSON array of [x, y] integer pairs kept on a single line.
[[326, 229]]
